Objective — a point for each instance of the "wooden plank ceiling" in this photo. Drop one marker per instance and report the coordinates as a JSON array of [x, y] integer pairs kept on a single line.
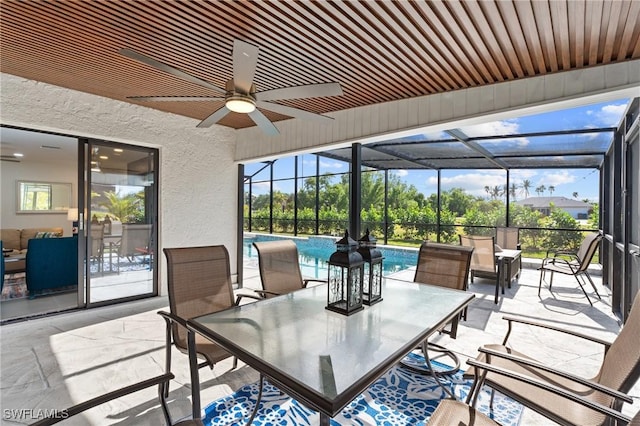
[[378, 50]]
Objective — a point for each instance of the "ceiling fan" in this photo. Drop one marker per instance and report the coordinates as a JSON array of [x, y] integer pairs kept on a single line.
[[240, 93]]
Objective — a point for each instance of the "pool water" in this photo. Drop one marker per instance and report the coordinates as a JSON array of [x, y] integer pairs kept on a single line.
[[314, 252]]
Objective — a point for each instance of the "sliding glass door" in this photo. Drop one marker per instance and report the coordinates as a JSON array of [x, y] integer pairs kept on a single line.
[[120, 224]]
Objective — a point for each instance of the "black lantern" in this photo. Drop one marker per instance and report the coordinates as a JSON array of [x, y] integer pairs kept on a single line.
[[372, 280], [346, 269]]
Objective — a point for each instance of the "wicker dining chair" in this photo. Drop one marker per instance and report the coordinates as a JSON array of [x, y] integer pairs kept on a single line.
[[618, 373], [280, 268], [199, 283]]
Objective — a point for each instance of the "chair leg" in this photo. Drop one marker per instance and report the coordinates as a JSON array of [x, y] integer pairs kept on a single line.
[[592, 284], [167, 356], [540, 282], [583, 290]]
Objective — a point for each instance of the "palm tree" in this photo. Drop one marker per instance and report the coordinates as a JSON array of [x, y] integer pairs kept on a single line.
[[513, 190], [122, 207], [540, 190], [487, 189], [551, 189], [526, 186], [575, 195], [496, 192]]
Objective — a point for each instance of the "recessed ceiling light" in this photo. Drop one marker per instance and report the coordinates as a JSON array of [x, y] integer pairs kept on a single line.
[[18, 154], [104, 157], [117, 150]]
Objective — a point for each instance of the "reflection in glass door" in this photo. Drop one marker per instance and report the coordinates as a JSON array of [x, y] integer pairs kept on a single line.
[[121, 224]]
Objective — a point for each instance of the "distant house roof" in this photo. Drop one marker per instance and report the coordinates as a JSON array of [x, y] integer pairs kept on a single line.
[[561, 202]]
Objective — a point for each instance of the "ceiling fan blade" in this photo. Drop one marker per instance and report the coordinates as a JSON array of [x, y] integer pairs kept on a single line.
[[214, 118], [245, 60], [264, 123], [293, 112], [174, 98], [298, 92], [129, 53]]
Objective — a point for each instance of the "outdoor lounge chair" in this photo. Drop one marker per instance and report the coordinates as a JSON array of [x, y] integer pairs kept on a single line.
[[483, 261], [509, 238], [162, 381], [279, 268], [577, 263], [199, 283], [558, 399], [443, 265], [135, 241], [97, 245]]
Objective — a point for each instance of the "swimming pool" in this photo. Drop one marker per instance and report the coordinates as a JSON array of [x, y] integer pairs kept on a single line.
[[314, 252]]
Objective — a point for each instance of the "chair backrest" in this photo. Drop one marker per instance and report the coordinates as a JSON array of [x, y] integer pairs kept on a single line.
[[134, 236], [198, 283], [621, 366], [279, 266], [587, 249], [483, 258], [444, 265], [97, 237], [508, 237]]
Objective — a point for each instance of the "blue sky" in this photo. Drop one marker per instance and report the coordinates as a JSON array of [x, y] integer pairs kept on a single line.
[[565, 181]]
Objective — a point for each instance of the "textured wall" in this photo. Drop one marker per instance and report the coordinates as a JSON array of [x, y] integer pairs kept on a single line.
[[198, 177]]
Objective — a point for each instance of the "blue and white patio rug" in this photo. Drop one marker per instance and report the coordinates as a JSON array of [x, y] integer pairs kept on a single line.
[[399, 397]]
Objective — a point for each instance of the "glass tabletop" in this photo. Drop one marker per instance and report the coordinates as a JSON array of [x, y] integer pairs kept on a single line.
[[325, 358]]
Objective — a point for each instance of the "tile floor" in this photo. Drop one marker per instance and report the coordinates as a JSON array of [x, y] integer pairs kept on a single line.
[[55, 362]]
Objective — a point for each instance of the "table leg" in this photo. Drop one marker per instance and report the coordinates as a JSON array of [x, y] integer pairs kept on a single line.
[[324, 420]]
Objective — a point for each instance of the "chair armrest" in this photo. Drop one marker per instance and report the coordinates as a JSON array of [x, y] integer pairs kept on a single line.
[[250, 296], [477, 365], [102, 399], [265, 293], [306, 281], [169, 317], [596, 386], [511, 320]]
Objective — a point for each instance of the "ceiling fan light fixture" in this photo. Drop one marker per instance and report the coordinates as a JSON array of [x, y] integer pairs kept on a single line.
[[241, 104]]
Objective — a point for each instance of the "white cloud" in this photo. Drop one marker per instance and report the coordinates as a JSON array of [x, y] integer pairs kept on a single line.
[[505, 127], [400, 173], [556, 179], [472, 183], [332, 165], [608, 115], [518, 175]]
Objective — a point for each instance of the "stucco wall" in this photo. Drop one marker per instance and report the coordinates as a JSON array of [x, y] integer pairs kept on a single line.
[[198, 177]]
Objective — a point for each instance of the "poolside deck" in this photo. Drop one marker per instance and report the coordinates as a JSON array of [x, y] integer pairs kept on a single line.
[[61, 360]]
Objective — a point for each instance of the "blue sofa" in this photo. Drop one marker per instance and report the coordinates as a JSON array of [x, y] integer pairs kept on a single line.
[[52, 263]]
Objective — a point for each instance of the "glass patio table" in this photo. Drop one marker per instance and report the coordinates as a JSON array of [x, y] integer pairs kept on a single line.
[[322, 358]]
